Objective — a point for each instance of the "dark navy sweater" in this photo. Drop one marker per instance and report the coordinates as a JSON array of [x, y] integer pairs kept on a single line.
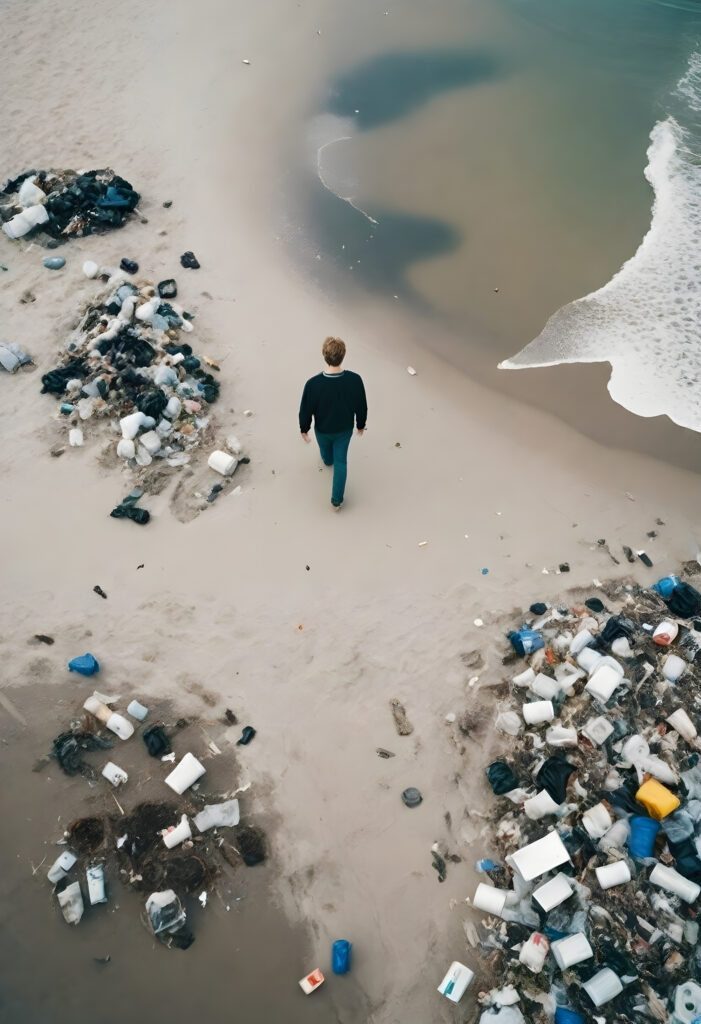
[[335, 400]]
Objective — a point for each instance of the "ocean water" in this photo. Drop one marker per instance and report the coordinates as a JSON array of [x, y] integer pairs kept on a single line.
[[526, 171]]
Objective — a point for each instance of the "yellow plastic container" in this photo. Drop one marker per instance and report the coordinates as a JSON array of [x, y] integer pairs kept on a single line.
[[657, 800]]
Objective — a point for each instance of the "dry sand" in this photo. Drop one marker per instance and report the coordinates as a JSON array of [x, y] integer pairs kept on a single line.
[[213, 619]]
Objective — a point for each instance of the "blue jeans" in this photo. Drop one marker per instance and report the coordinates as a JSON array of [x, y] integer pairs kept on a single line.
[[334, 452]]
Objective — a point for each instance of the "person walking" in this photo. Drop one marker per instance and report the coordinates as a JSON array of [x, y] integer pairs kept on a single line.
[[335, 399]]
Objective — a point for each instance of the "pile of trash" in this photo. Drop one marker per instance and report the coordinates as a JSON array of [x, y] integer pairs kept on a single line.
[[170, 849], [65, 204], [589, 910], [126, 363]]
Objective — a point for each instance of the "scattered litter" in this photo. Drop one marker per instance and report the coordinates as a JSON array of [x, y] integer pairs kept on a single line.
[[99, 591], [310, 982], [12, 357], [381, 752], [54, 262], [246, 736], [189, 261], [43, 638], [412, 797], [411, 370], [341, 955], [423, 543], [85, 665], [70, 901], [222, 815], [404, 726], [188, 771]]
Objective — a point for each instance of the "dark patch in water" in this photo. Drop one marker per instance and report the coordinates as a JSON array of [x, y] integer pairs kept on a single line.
[[392, 85], [379, 254]]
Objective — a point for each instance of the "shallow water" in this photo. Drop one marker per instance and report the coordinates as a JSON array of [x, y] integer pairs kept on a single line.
[[485, 162]]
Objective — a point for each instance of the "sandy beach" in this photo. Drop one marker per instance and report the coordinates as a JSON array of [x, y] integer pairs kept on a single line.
[[305, 622]]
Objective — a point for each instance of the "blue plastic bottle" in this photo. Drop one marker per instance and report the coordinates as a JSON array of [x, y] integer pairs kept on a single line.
[[341, 956], [85, 665], [525, 641]]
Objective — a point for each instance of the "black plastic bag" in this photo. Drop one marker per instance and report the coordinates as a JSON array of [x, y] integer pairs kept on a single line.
[[684, 601], [553, 776], [501, 778], [156, 740]]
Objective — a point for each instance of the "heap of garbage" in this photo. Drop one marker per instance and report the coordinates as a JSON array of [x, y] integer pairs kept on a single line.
[[57, 205], [589, 908], [126, 363], [170, 849]]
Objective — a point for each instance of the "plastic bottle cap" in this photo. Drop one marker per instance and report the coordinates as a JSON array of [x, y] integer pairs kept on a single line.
[[412, 797]]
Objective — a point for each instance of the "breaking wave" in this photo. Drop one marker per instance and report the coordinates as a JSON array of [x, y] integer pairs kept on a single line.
[[646, 321]]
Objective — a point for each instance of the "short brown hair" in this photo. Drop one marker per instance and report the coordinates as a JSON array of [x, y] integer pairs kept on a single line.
[[334, 351]]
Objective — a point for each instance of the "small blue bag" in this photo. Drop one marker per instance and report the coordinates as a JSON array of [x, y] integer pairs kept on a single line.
[[341, 956], [666, 586], [525, 641], [85, 665]]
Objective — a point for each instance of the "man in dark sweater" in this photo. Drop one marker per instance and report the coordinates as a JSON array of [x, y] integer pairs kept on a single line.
[[335, 398]]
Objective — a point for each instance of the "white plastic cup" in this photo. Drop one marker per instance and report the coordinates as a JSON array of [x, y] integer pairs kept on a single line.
[[672, 881], [603, 986], [665, 633], [490, 899], [571, 950], [184, 774], [613, 874], [61, 866], [178, 834], [580, 641], [603, 682], [588, 659], [534, 951], [540, 805], [137, 711], [673, 667], [119, 725], [680, 721], [554, 892], [524, 678], [457, 979], [114, 774], [545, 687], [538, 711], [222, 462], [597, 821]]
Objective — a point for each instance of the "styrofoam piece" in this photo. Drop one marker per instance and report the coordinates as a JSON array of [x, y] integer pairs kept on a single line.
[[456, 981], [603, 682], [235, 447], [179, 834], [131, 425], [96, 884], [580, 641], [670, 880], [617, 835], [609, 875], [189, 770], [554, 892], [538, 711], [226, 814], [61, 866], [673, 667], [540, 805], [621, 648], [524, 678], [222, 462], [75, 437], [597, 730], [137, 711], [680, 721], [70, 901], [561, 736], [490, 899], [509, 722], [120, 726], [543, 855], [545, 686], [597, 820], [126, 449], [588, 659], [90, 268], [310, 982], [114, 774], [151, 442], [603, 986], [571, 950]]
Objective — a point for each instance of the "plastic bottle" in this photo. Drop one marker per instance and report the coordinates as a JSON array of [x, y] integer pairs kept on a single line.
[[643, 832], [341, 952]]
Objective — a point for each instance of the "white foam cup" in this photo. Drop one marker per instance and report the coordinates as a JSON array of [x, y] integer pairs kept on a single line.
[[680, 721], [540, 805], [545, 686], [597, 730], [588, 659], [184, 774], [603, 682], [673, 667], [119, 725], [672, 881], [534, 952], [222, 462], [603, 986], [61, 866], [580, 641], [114, 774], [597, 821], [524, 678], [561, 736], [137, 710], [490, 899], [458, 977], [554, 892], [571, 950], [178, 834], [613, 874], [538, 711]]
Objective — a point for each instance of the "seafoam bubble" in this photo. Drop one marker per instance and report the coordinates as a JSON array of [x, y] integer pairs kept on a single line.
[[646, 321]]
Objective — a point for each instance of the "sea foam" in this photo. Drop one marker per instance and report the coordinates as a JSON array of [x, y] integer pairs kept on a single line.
[[646, 321]]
